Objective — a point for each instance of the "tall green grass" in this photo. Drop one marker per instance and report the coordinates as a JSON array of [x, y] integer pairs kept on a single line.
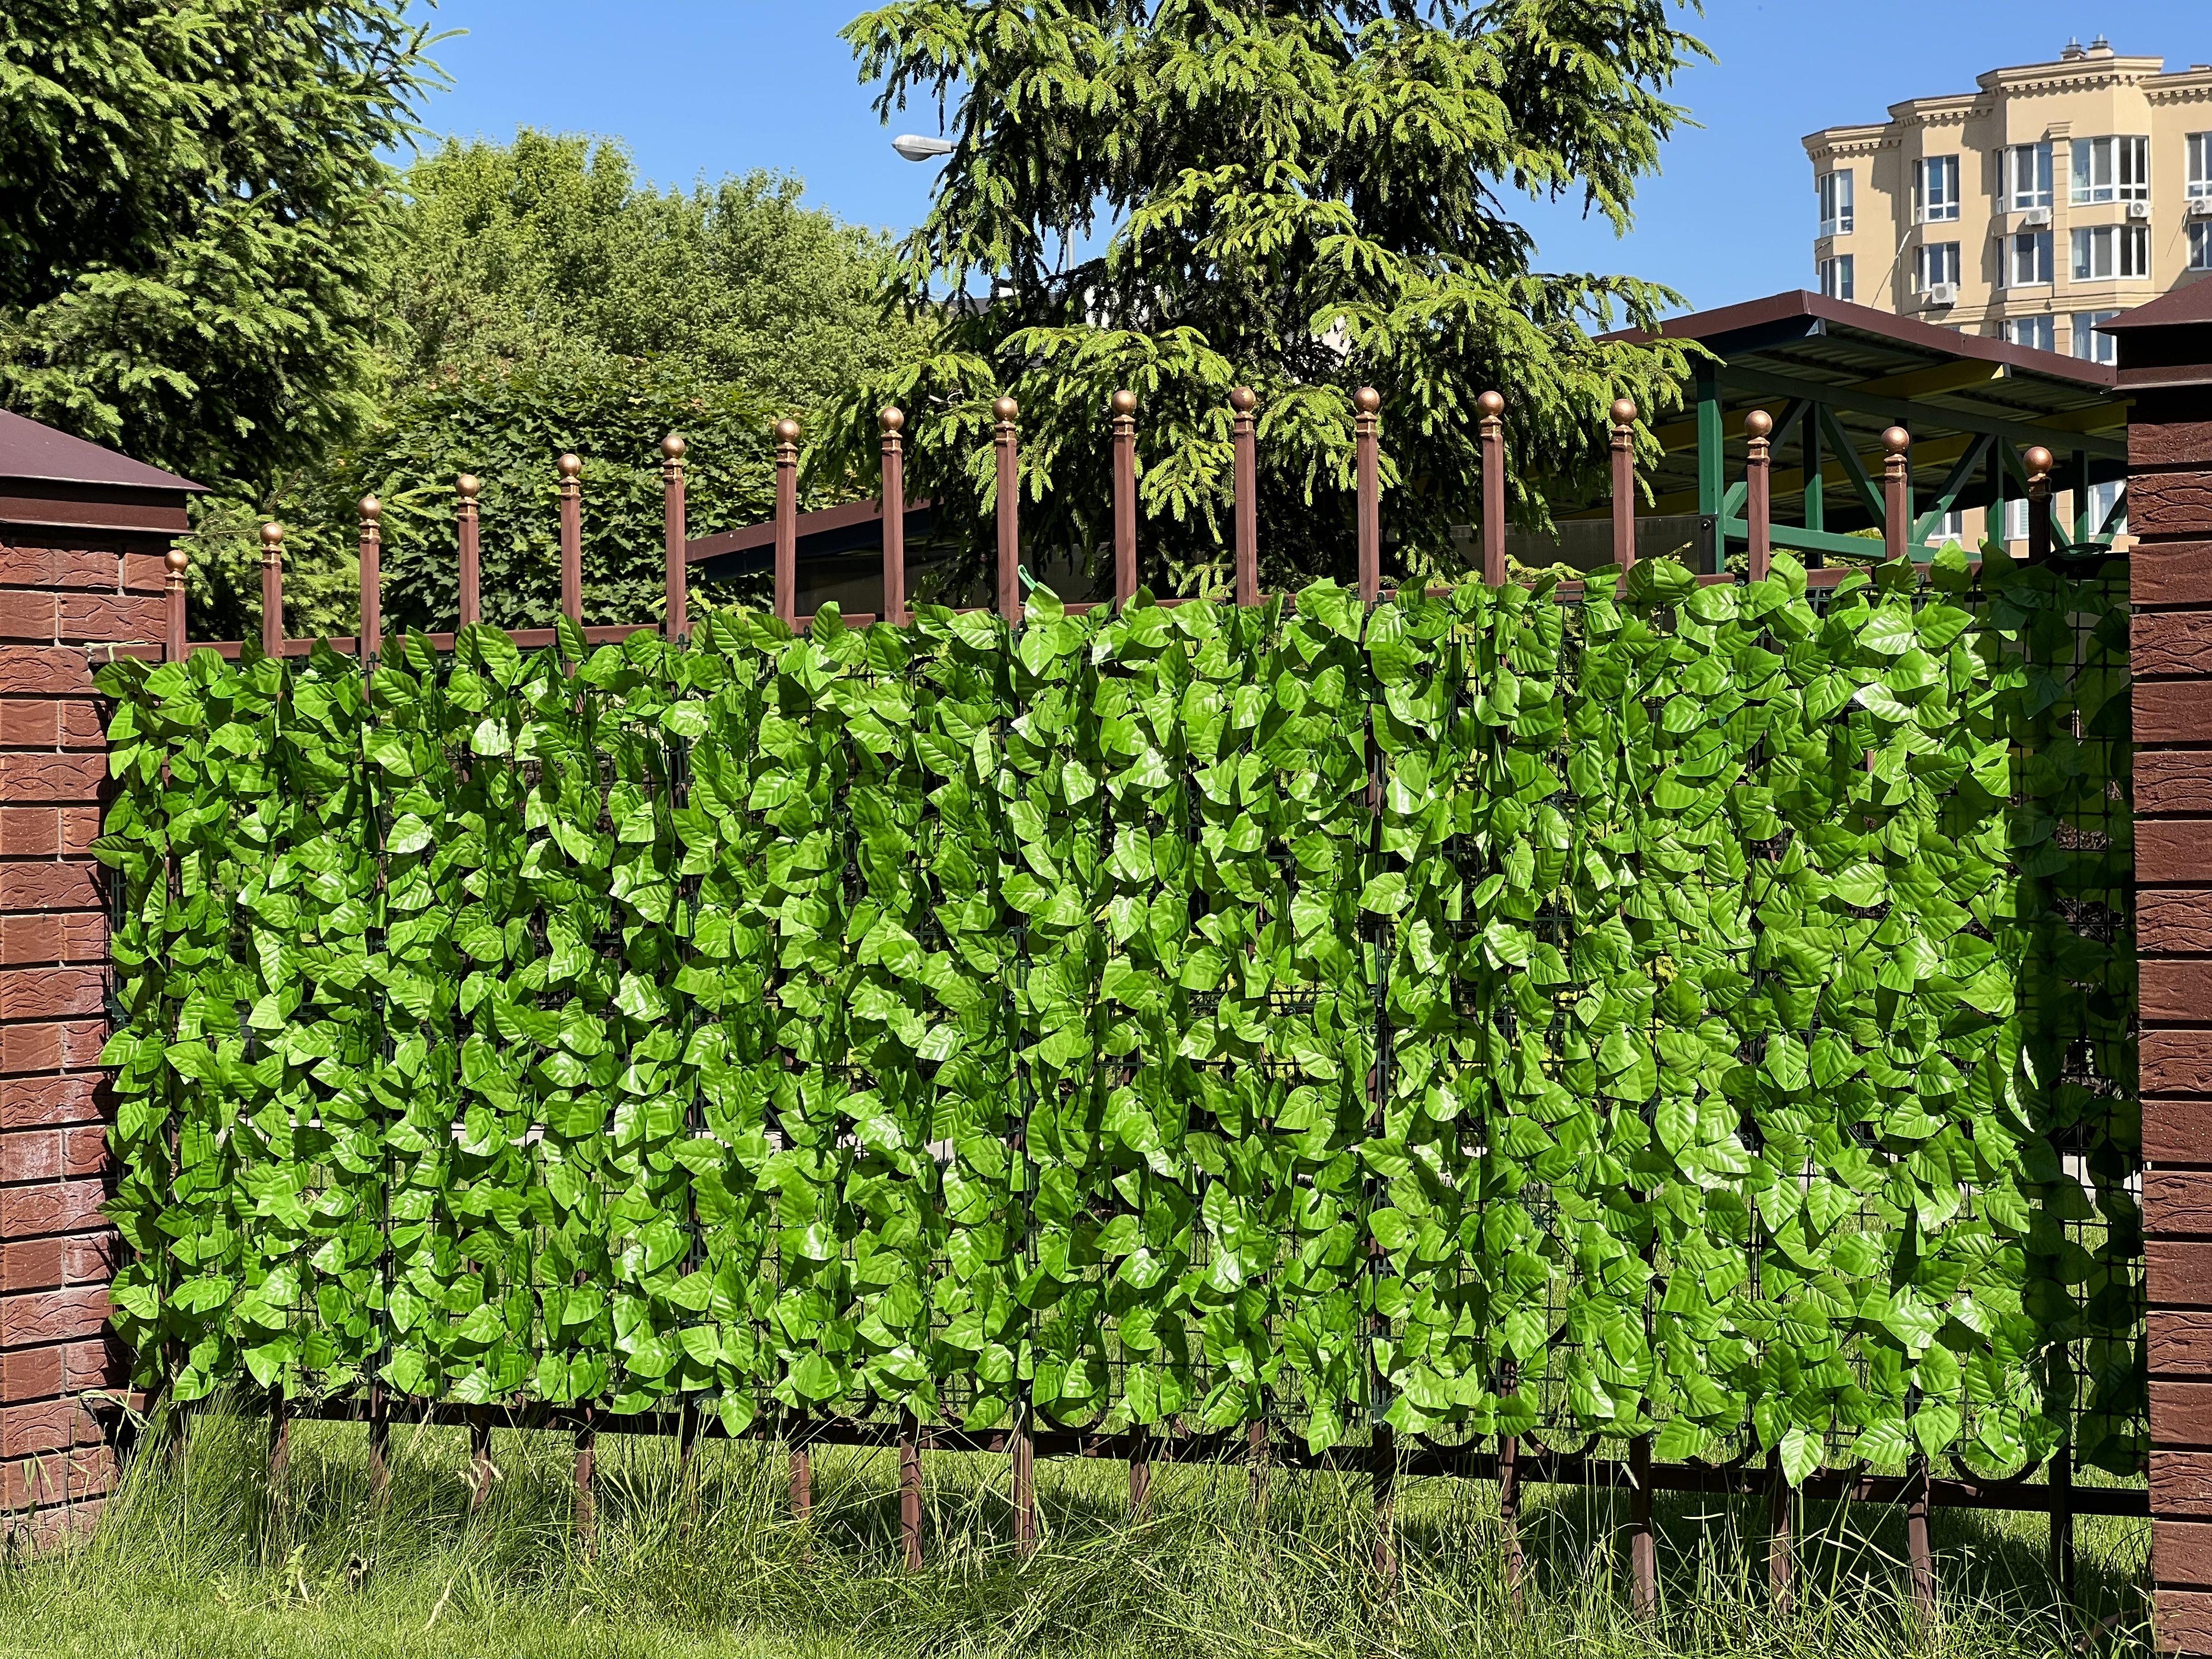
[[188, 1560]]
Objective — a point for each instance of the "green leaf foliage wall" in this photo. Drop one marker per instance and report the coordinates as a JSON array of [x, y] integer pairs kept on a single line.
[[1703, 1012]]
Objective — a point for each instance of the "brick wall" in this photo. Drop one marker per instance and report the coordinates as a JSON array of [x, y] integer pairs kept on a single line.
[[2170, 508], [60, 608]]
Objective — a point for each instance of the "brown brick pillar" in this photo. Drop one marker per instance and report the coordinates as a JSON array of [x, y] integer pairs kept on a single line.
[[80, 574], [2165, 361]]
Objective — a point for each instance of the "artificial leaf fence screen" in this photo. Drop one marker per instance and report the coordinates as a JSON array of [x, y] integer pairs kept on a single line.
[[1702, 1012]]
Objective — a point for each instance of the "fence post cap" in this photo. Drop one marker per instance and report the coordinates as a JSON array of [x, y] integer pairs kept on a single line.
[[786, 431], [1004, 410], [2038, 459], [467, 485], [1367, 400], [1757, 425], [1624, 411], [1492, 403], [1123, 402], [570, 466], [1243, 399], [272, 538], [371, 508], [1896, 440], [892, 419], [672, 446], [177, 560]]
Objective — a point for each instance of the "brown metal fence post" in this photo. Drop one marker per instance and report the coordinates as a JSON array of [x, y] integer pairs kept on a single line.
[[272, 590], [571, 539], [1004, 413], [893, 421], [786, 577], [1624, 482], [586, 1482], [172, 599], [1256, 1447], [1124, 406], [1140, 1471], [1896, 493], [1367, 467], [1025, 1474], [910, 1488], [2037, 462], [1920, 1554], [1384, 1453], [800, 1470], [2062, 1520], [372, 581], [673, 535], [1509, 1492], [1243, 432], [379, 1447], [1781, 1556], [480, 1467], [466, 488], [1643, 1546], [1491, 436], [280, 1460], [1759, 502]]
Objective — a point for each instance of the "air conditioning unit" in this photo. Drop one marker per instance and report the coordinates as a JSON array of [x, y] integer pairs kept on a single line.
[[2139, 210], [1939, 294], [2035, 219], [2200, 207]]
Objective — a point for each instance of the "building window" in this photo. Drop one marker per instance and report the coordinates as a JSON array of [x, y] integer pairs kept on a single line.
[[2027, 177], [2016, 524], [2037, 333], [2200, 244], [1951, 527], [2200, 167], [2103, 499], [2089, 343], [2112, 170], [1836, 203], [1933, 263], [2029, 259], [1935, 190], [1836, 278], [2109, 251]]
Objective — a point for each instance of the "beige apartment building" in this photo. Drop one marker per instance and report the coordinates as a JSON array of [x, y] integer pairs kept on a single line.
[[2049, 199]]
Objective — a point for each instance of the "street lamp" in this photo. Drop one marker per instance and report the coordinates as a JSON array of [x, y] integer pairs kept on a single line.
[[916, 148]]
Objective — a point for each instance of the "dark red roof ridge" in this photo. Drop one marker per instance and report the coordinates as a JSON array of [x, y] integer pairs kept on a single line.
[[31, 449]]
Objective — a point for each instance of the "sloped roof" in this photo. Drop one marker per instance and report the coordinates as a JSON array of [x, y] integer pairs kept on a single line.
[[2191, 304], [36, 453]]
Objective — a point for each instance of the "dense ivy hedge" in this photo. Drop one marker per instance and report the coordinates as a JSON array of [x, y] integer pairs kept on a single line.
[[1702, 1011]]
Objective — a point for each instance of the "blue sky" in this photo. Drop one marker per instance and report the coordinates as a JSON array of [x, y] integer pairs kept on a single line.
[[694, 88]]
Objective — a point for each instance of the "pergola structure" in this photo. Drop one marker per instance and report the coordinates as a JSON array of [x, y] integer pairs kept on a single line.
[[1833, 375]]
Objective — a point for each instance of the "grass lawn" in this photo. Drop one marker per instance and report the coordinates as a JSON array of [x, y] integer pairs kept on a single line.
[[186, 1563]]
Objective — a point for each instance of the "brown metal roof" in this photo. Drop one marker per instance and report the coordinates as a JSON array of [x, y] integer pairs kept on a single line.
[[2191, 303], [35, 453]]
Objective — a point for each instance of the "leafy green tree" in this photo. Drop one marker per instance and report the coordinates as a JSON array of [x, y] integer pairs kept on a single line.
[[1180, 196], [540, 298], [192, 206]]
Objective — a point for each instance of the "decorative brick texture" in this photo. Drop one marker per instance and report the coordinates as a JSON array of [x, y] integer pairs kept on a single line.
[[2170, 509], [62, 610]]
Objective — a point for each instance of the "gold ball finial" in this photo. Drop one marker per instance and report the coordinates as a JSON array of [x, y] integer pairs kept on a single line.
[[371, 508], [1624, 411], [1367, 400], [2038, 459], [1124, 402], [672, 446], [892, 420], [177, 559], [570, 466], [272, 536], [1004, 410], [1757, 425], [1896, 440], [1243, 399], [786, 431], [1492, 403], [467, 485]]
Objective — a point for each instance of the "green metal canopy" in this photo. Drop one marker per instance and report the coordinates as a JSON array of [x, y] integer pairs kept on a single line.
[[1833, 375]]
